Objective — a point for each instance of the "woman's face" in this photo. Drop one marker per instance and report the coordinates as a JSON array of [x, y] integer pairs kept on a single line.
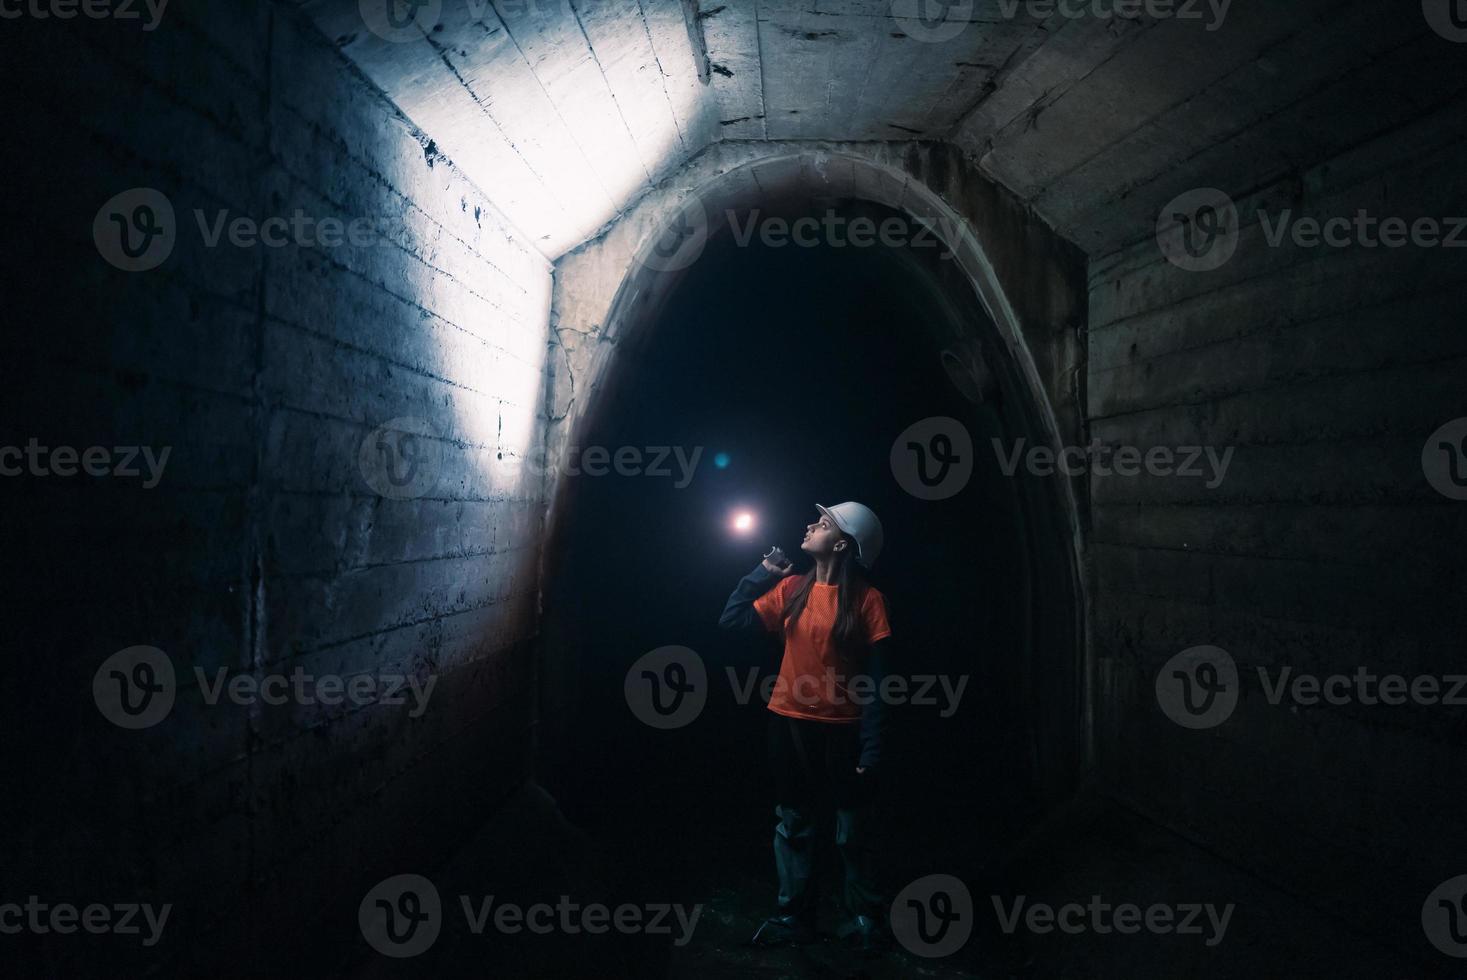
[[821, 537]]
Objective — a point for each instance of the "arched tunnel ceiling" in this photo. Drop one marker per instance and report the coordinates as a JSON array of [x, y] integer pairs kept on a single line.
[[564, 111]]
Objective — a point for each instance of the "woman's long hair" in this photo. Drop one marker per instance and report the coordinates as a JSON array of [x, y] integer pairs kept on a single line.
[[849, 631]]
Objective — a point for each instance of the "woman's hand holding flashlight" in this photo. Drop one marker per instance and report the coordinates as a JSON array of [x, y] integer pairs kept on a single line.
[[776, 563]]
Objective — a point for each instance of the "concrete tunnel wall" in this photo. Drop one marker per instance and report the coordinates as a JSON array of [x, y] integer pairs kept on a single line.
[[266, 547], [1325, 549]]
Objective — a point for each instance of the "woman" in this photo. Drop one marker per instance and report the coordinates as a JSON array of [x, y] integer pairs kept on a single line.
[[826, 724]]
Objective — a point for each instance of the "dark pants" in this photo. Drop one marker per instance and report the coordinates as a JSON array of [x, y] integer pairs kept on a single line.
[[814, 764]]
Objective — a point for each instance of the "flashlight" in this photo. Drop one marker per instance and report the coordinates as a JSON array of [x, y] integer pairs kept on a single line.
[[776, 557]]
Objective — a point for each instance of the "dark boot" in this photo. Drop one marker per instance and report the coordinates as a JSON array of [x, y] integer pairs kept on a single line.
[[865, 935], [783, 930]]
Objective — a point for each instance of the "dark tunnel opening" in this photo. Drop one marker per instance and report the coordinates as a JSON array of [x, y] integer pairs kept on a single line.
[[775, 376]]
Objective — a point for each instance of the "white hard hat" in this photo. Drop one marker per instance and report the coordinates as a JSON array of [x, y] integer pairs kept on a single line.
[[859, 521]]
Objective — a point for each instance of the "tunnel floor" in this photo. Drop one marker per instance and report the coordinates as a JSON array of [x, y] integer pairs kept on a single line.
[[530, 852]]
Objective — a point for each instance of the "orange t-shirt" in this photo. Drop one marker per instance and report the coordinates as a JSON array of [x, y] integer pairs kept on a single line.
[[811, 682]]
